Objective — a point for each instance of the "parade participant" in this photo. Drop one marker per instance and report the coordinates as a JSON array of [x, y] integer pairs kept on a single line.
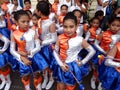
[[48, 36], [25, 46], [67, 48]]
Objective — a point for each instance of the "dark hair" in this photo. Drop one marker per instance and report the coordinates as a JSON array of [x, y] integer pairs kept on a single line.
[[43, 7], [35, 15], [112, 19], [27, 1], [64, 6], [13, 13], [99, 13], [28, 11], [70, 15], [94, 19], [20, 13], [77, 10]]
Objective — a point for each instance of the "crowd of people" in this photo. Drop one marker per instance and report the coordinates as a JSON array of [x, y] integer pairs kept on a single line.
[[58, 42]]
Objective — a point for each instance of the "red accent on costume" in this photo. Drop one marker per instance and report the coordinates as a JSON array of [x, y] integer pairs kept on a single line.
[[118, 52], [39, 24], [37, 81], [92, 31], [54, 7], [60, 18], [106, 40], [19, 39], [27, 8], [118, 55], [63, 45]]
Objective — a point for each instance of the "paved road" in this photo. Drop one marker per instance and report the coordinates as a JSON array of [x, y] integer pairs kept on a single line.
[[17, 85]]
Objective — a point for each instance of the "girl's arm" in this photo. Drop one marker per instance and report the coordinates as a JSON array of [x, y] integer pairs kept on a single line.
[[56, 53], [19, 57], [12, 49], [53, 35], [87, 35], [90, 50], [6, 43], [97, 42], [37, 45], [111, 54], [63, 66]]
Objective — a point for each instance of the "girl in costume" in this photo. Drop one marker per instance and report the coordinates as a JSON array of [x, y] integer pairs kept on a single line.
[[25, 46], [112, 80], [48, 36], [67, 48], [4, 54], [93, 31], [104, 42]]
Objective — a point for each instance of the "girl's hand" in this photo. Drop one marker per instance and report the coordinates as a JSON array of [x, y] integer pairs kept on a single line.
[[23, 53], [28, 53], [26, 61], [65, 67], [79, 63]]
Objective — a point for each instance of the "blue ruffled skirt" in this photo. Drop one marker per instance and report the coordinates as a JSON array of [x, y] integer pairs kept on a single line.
[[38, 64], [67, 77], [110, 79], [4, 57]]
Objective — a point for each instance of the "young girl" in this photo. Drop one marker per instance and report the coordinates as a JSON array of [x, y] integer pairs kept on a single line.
[[48, 36], [112, 74], [4, 54], [63, 12], [25, 46], [66, 52], [80, 29], [35, 19], [27, 4], [94, 30], [105, 42]]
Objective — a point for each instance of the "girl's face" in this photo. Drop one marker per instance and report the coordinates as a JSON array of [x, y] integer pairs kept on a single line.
[[34, 20], [78, 15], [64, 10], [95, 23], [23, 22], [115, 26], [69, 27], [27, 5], [15, 2]]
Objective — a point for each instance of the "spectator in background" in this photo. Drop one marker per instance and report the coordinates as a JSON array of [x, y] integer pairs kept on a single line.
[[15, 6], [27, 6]]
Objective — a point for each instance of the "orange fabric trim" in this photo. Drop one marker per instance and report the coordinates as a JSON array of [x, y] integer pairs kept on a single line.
[[70, 87], [106, 40], [85, 27], [7, 72], [18, 35], [95, 73], [101, 58], [92, 31], [60, 18], [63, 46], [37, 81], [118, 52], [25, 82], [54, 7]]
